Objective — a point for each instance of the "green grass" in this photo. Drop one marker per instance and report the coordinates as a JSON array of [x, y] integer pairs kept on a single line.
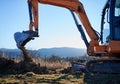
[[42, 78]]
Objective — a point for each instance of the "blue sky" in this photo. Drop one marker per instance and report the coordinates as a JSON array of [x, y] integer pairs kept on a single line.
[[56, 25]]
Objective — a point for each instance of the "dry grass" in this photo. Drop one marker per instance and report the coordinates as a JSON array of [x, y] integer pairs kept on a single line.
[[48, 64], [52, 65]]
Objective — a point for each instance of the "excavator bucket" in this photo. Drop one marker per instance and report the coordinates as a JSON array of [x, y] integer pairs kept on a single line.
[[23, 38]]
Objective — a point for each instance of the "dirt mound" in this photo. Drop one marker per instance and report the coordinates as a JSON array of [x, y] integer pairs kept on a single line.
[[27, 65], [8, 66]]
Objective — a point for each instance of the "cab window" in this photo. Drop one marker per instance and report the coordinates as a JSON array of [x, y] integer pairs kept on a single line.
[[117, 8]]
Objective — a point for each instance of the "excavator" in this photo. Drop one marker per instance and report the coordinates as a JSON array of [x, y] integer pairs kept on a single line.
[[107, 64]]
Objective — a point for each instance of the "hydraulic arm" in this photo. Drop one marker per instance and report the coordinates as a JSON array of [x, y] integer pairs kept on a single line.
[[76, 7]]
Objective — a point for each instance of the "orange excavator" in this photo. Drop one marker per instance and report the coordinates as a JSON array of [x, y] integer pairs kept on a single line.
[[107, 51]]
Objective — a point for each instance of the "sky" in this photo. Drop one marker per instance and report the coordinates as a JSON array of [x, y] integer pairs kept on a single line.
[[56, 24]]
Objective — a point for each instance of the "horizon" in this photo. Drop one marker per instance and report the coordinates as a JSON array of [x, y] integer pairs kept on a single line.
[[61, 51], [44, 48]]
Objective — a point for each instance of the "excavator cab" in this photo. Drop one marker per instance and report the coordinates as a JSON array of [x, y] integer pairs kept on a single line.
[[115, 26], [111, 20]]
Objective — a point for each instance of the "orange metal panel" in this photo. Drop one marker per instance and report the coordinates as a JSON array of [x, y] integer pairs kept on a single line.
[[114, 47], [100, 49]]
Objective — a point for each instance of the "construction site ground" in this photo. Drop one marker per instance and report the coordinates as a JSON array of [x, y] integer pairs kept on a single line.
[[31, 73]]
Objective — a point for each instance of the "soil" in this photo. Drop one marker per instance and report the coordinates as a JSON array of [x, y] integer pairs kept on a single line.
[[9, 66]]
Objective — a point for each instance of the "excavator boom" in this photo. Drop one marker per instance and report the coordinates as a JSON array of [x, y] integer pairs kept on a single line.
[[76, 7], [94, 48]]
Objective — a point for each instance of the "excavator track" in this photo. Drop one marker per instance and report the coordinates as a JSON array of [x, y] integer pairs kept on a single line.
[[108, 65], [98, 78], [103, 71]]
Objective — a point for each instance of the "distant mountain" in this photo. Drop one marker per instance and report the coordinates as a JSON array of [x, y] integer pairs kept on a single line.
[[60, 51], [10, 52]]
